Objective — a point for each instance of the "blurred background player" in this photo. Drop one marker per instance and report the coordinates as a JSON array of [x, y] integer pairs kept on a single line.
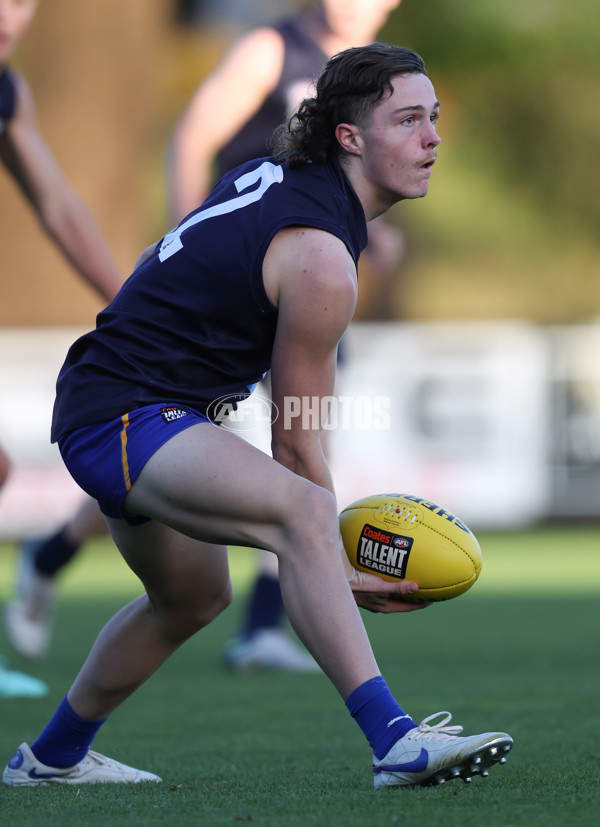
[[28, 615], [27, 158], [260, 81]]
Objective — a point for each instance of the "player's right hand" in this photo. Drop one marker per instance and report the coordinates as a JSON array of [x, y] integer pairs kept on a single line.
[[377, 595]]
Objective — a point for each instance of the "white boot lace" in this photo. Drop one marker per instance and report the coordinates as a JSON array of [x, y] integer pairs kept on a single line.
[[428, 730]]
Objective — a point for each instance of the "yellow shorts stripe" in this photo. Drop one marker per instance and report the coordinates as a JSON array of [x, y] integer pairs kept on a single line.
[[124, 460]]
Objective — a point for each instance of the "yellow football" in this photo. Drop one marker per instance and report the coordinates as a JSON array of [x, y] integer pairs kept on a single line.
[[402, 537]]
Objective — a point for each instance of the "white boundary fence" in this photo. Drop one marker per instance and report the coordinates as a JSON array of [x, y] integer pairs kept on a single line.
[[498, 422]]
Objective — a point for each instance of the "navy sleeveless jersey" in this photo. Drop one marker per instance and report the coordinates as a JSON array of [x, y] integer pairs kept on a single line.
[[302, 62], [193, 323], [8, 98]]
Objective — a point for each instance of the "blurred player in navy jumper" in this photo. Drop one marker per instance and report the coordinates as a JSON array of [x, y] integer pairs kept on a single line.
[[262, 276], [29, 161], [230, 119]]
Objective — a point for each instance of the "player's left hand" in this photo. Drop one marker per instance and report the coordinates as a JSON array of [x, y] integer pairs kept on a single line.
[[377, 595]]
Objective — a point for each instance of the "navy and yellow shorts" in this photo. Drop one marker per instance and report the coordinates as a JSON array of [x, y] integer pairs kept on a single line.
[[106, 459]]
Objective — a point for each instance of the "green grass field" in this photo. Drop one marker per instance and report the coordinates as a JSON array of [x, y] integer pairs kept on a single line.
[[520, 653]]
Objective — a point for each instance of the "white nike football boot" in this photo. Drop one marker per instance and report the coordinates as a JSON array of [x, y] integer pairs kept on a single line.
[[24, 770], [433, 754], [28, 616], [268, 649]]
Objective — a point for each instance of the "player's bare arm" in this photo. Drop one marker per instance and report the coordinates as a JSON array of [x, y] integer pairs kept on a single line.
[[221, 105], [311, 278], [61, 212]]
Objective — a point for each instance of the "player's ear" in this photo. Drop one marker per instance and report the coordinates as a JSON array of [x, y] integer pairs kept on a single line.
[[348, 138]]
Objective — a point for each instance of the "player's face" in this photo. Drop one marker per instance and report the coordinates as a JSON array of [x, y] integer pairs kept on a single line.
[[357, 21], [398, 146], [15, 19]]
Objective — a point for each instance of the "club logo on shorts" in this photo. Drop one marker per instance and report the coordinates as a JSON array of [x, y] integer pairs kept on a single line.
[[383, 552], [171, 414]]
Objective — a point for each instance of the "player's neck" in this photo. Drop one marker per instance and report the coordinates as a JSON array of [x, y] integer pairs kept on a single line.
[[374, 200]]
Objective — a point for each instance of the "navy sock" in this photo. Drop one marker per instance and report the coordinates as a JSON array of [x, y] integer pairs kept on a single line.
[[66, 738], [379, 716], [265, 608], [54, 553]]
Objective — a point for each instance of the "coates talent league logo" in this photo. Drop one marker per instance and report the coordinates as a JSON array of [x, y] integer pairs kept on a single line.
[[383, 552]]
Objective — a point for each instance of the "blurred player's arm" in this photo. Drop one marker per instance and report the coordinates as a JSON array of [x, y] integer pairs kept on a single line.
[[220, 106], [385, 249], [144, 256], [61, 212]]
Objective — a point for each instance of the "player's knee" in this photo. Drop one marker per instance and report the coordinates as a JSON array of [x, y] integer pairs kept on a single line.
[[313, 525], [206, 612], [184, 617], [216, 606]]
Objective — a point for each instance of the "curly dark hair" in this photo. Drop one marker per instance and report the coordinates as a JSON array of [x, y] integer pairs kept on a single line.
[[348, 88]]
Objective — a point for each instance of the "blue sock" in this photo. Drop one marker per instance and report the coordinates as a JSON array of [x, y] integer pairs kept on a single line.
[[265, 608], [66, 738], [376, 712], [54, 553]]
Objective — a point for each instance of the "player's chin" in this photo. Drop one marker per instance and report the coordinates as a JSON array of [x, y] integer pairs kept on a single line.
[[424, 177], [419, 190]]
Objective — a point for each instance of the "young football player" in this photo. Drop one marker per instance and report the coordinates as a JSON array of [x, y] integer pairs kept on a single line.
[[262, 276]]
